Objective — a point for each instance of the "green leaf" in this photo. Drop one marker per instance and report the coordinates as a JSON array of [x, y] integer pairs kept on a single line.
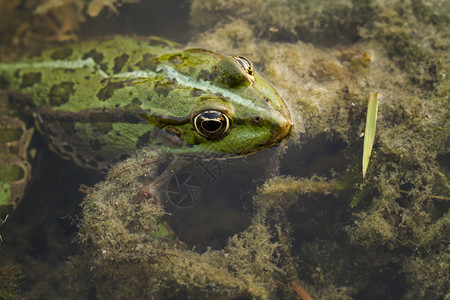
[[369, 135]]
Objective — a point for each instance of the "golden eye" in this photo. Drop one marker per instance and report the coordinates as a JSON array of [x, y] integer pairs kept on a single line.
[[212, 124], [245, 64]]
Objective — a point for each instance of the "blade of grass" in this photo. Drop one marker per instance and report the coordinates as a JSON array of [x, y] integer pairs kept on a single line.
[[369, 135]]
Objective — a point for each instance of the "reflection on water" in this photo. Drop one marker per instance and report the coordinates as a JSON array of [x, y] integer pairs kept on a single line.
[[168, 19]]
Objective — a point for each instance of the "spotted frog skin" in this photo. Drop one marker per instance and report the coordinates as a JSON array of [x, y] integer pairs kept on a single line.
[[98, 101]]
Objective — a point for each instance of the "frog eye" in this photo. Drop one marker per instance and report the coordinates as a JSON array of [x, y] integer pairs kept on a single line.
[[212, 124], [245, 64]]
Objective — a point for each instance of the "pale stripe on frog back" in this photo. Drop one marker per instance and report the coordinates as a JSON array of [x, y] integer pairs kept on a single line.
[[205, 86], [170, 71], [54, 64]]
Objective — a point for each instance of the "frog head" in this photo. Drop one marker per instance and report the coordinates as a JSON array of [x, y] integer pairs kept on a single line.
[[223, 105]]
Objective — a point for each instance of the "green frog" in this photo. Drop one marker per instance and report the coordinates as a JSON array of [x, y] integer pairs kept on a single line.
[[96, 102]]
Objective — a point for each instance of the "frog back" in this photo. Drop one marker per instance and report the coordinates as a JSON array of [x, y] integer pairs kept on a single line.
[[86, 98]]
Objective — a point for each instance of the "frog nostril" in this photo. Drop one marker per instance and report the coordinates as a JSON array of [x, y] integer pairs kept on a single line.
[[256, 120]]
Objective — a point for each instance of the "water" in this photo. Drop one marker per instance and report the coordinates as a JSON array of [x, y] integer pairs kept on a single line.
[[389, 247]]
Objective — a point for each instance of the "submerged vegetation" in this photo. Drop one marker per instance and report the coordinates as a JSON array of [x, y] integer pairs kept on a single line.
[[10, 278], [126, 248]]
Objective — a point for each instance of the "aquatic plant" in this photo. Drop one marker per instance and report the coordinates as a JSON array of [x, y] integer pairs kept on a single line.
[[10, 280], [369, 135]]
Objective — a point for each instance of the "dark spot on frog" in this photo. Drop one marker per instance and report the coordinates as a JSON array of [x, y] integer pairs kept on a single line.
[[197, 92], [62, 53], [106, 92], [131, 112], [29, 79], [93, 163], [4, 83], [206, 76], [66, 122], [119, 62], [197, 141], [147, 62], [101, 121], [95, 145], [60, 93], [68, 148], [136, 103], [164, 87], [87, 77], [96, 56], [69, 127], [176, 59], [171, 137], [144, 139], [104, 67]]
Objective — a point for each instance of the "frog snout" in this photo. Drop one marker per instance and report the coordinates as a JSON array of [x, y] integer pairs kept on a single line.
[[284, 127], [281, 124]]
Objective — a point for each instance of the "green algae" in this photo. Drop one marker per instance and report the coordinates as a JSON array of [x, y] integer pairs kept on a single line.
[[121, 237], [435, 231], [10, 279], [426, 275], [399, 49]]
